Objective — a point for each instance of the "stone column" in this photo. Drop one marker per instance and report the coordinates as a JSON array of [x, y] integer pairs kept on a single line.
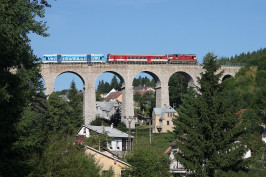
[[127, 104], [162, 95], [89, 103], [49, 86]]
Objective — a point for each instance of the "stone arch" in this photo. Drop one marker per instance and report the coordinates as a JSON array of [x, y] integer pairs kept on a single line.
[[226, 76], [154, 76], [158, 87], [189, 78], [116, 74], [72, 72]]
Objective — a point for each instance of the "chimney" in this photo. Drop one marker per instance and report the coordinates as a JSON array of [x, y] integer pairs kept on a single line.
[[112, 126]]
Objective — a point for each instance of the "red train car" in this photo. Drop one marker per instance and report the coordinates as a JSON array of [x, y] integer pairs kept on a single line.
[[182, 58], [137, 58]]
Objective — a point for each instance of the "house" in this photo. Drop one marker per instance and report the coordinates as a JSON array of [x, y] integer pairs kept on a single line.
[[106, 109], [162, 119], [119, 143], [107, 94], [107, 161], [115, 96], [175, 166]]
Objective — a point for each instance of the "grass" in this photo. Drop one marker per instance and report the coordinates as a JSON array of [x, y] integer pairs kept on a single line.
[[159, 141]]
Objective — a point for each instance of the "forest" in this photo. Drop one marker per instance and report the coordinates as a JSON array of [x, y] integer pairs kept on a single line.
[[37, 133]]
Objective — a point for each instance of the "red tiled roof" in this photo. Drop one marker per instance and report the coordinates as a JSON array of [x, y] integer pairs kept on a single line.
[[114, 95]]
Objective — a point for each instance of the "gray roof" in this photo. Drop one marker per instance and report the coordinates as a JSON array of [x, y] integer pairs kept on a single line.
[[162, 111], [111, 132], [106, 106]]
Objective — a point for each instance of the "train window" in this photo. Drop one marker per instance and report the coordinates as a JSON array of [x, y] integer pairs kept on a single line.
[[161, 57], [128, 57], [137, 57], [144, 57], [157, 57]]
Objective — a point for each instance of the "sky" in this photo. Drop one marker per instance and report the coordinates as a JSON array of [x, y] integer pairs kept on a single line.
[[226, 28]]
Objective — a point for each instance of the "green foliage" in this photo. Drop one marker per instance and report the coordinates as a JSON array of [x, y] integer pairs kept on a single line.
[[60, 115], [208, 128], [244, 58], [115, 119], [143, 81], [98, 122], [105, 87], [147, 161], [109, 173], [122, 127], [177, 88], [75, 102], [62, 158], [98, 141], [17, 87]]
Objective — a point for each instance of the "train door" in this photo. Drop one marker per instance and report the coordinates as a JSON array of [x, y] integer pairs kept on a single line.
[[59, 58], [148, 59]]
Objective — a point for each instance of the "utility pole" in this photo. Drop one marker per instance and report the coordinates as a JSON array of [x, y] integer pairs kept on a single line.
[[130, 118]]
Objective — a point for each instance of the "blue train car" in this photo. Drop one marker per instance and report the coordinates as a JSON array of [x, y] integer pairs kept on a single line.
[[54, 58], [78, 58], [97, 58]]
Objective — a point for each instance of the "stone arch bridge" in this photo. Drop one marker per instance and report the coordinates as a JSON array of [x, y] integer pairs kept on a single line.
[[126, 73]]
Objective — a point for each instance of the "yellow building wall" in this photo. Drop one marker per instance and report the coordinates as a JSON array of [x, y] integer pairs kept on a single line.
[[165, 127], [120, 98], [107, 162]]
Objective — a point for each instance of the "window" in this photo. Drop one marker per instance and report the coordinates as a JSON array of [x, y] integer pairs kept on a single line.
[[161, 57], [144, 57], [168, 123]]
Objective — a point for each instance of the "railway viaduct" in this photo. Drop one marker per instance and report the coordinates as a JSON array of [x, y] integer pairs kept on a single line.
[[126, 73]]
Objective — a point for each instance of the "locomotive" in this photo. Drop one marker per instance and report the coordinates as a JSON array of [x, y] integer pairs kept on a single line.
[[122, 58]]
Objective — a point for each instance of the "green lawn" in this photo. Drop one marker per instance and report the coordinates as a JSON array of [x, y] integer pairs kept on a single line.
[[160, 141]]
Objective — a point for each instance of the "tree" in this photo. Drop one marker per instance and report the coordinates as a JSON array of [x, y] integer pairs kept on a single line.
[[18, 19], [208, 129], [177, 88], [115, 119], [75, 101], [114, 83], [147, 161], [60, 116], [62, 158]]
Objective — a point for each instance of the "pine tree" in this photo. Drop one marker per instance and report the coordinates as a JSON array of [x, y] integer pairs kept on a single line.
[[208, 129], [177, 88], [75, 101], [18, 19], [60, 116], [114, 83]]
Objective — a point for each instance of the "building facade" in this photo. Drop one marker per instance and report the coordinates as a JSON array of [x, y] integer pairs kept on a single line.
[[162, 119]]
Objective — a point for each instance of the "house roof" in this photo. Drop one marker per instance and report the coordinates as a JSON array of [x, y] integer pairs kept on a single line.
[[99, 152], [106, 106], [111, 132], [162, 111], [114, 95]]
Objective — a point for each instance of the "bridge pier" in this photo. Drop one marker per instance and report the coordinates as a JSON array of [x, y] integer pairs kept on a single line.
[[127, 105], [162, 95], [89, 103]]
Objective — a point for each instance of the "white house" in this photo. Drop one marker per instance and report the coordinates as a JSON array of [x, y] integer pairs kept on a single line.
[[119, 142]]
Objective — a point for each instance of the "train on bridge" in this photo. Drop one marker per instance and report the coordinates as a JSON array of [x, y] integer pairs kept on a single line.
[[122, 58]]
